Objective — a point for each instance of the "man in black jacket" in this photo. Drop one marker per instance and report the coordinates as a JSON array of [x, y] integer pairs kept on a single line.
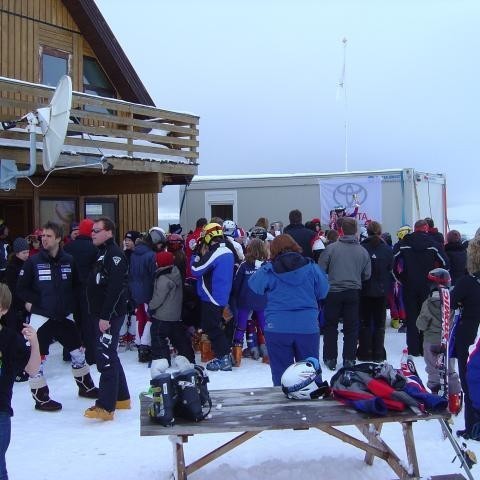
[[84, 252], [302, 235], [46, 283], [414, 256], [107, 306]]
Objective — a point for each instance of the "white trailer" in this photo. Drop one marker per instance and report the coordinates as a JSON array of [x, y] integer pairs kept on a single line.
[[400, 196]]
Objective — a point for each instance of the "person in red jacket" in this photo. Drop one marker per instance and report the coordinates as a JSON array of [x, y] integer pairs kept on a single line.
[[191, 243]]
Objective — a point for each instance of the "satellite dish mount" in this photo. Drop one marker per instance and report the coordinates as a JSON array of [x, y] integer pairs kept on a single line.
[[53, 121]]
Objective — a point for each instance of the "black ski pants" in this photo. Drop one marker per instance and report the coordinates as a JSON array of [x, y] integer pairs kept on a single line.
[[341, 305], [413, 300], [64, 331], [371, 337], [212, 326], [161, 331], [113, 384]]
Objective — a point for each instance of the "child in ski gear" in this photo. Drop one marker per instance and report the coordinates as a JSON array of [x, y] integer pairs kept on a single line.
[[212, 266], [466, 295], [430, 323], [294, 285], [15, 357], [166, 310], [244, 299]]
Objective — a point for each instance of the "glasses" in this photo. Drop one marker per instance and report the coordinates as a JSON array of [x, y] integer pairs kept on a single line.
[[97, 230]]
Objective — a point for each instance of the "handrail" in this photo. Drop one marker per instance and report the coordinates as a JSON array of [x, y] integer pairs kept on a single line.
[[123, 128]]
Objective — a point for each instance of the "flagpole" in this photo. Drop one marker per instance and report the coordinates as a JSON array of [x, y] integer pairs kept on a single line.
[[342, 84]]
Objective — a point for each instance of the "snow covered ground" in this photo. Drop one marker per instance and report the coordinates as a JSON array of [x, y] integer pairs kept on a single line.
[[65, 445]]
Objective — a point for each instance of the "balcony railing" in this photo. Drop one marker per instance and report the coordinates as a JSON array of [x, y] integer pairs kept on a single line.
[[106, 126]]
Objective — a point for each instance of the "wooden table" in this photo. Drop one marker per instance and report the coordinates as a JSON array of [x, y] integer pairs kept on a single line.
[[255, 410]]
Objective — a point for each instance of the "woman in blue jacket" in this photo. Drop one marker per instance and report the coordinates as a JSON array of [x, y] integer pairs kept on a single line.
[[294, 285]]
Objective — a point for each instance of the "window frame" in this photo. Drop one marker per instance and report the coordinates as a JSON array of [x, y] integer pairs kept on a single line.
[[53, 52]]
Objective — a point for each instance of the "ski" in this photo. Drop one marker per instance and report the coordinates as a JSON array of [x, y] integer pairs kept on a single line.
[[443, 357]]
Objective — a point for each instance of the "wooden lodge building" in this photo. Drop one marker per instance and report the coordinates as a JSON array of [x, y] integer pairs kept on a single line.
[[112, 118]]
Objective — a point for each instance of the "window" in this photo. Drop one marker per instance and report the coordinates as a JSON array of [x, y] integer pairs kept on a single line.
[[53, 64], [225, 212], [95, 82], [101, 207], [59, 210], [221, 203]]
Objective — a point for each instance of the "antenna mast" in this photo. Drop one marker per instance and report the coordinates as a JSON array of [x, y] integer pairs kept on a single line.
[[342, 85]]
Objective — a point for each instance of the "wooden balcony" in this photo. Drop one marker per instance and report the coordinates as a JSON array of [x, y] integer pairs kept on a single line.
[[132, 138]]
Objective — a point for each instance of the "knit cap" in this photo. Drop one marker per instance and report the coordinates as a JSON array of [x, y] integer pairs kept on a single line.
[[85, 227], [20, 244], [132, 235], [164, 259]]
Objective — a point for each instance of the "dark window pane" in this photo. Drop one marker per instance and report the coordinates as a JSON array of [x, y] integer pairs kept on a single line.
[[225, 212], [52, 69], [95, 80]]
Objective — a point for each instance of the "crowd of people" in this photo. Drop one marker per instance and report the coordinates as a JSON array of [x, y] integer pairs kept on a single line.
[[270, 292]]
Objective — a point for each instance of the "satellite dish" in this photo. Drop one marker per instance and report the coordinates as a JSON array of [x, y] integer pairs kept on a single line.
[[54, 122]]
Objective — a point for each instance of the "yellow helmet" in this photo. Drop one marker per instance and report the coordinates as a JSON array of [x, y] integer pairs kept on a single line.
[[402, 231], [210, 231]]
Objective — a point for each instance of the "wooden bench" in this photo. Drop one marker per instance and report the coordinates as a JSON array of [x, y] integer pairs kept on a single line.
[[254, 410]]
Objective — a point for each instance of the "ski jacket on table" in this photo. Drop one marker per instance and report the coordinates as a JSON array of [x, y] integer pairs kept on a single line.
[[294, 285], [48, 283], [381, 259], [466, 294], [303, 236], [347, 264], [15, 355], [107, 282], [214, 272], [141, 274], [457, 257], [242, 294], [414, 257], [84, 252], [429, 320], [166, 302]]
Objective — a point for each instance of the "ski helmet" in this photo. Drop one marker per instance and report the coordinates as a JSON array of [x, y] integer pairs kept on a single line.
[[439, 277], [229, 227], [301, 381], [258, 232], [363, 233], [277, 227], [157, 236], [339, 209], [402, 231], [211, 231], [174, 242]]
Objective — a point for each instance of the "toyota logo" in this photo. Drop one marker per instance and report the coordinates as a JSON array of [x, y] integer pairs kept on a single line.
[[350, 193]]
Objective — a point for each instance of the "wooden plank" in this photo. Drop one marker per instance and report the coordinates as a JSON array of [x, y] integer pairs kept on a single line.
[[368, 457], [410, 447], [218, 452]]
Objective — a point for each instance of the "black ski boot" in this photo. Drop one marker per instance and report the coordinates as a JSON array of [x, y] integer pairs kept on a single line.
[[41, 395], [164, 399], [86, 387], [144, 353]]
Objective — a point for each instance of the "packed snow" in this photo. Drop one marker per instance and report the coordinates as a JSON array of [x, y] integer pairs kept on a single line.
[[65, 445]]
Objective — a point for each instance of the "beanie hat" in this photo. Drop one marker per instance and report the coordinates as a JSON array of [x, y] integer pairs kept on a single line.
[[20, 244], [132, 235], [164, 259], [73, 226], [85, 227]]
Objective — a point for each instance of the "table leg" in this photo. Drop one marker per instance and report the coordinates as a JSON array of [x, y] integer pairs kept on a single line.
[[179, 470], [368, 456], [410, 447]]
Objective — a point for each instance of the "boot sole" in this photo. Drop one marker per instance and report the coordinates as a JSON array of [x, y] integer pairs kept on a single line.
[[41, 409]]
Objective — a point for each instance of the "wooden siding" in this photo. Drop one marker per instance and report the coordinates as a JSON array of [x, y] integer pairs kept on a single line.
[[137, 212]]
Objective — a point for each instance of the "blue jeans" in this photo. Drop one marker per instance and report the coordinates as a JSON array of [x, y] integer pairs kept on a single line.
[[5, 430]]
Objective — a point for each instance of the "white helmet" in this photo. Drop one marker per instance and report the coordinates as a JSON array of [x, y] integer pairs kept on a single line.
[[229, 227], [302, 380], [157, 235]]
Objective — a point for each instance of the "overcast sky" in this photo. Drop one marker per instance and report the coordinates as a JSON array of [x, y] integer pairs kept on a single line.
[[263, 77]]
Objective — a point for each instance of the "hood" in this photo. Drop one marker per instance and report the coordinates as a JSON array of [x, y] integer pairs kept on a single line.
[[417, 241], [172, 272], [373, 241], [289, 268], [348, 239], [141, 249]]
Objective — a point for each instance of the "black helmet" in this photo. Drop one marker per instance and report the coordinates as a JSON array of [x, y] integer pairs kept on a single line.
[[439, 277], [258, 232]]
